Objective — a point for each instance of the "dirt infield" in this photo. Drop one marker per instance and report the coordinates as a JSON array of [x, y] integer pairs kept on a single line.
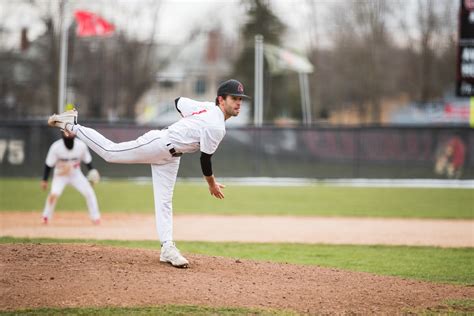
[[68, 275], [328, 230]]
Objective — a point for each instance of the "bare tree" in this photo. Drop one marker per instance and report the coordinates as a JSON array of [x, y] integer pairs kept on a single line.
[[35, 89], [362, 46], [111, 74], [430, 55], [105, 74], [381, 49], [319, 108]]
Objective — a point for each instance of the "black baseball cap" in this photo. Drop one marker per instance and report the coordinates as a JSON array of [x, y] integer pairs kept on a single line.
[[232, 87]]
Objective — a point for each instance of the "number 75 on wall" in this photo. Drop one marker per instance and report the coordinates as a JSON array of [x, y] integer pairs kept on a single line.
[[12, 150]]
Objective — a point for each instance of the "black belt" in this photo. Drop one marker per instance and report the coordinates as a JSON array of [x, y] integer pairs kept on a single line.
[[173, 152]]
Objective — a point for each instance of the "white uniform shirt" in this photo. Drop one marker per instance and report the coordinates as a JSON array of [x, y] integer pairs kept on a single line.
[[66, 161], [201, 128]]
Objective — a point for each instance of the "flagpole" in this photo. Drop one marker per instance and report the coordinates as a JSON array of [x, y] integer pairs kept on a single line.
[[308, 99], [305, 98], [63, 56], [258, 103], [302, 98]]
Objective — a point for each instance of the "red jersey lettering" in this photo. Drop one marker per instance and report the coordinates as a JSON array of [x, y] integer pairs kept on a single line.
[[199, 112]]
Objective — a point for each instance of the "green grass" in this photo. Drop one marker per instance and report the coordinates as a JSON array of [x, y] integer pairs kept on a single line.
[[465, 305], [442, 265], [445, 265], [449, 307], [311, 200], [158, 310]]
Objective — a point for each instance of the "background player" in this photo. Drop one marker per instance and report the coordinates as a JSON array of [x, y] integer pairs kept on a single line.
[[202, 127], [65, 156]]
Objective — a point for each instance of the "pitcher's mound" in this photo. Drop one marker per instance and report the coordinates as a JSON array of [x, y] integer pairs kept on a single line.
[[72, 275]]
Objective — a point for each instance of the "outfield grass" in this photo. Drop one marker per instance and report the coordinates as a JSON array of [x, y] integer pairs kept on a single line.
[[442, 265], [311, 200], [142, 311]]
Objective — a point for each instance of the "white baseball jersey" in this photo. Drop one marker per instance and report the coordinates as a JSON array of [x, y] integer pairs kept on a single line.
[[202, 127], [66, 161], [67, 170]]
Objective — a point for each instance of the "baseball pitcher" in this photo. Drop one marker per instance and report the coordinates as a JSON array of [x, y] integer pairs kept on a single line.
[[65, 156], [202, 127]]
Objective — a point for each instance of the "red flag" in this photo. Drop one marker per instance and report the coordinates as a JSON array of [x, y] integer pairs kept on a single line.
[[90, 24]]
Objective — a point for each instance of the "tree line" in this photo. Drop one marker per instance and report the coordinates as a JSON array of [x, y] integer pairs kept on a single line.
[[373, 50]]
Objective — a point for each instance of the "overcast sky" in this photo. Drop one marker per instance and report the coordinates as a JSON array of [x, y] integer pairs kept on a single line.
[[175, 17]]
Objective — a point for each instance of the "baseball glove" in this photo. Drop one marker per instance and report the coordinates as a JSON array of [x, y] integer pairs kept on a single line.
[[93, 176]]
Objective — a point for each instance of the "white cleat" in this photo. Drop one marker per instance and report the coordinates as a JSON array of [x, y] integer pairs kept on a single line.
[[63, 119], [171, 254]]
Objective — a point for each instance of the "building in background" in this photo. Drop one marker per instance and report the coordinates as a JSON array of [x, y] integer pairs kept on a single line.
[[194, 71]]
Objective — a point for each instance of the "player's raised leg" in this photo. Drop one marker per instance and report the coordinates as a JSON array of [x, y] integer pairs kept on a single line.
[[149, 148]]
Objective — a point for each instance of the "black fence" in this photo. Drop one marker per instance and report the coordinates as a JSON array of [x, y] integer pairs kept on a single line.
[[326, 152]]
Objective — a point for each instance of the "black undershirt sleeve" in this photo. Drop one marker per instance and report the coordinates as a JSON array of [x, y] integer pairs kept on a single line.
[[46, 172], [89, 165], [176, 105], [206, 165]]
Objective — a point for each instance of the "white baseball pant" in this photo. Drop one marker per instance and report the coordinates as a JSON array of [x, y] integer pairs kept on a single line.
[[77, 179], [150, 148]]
